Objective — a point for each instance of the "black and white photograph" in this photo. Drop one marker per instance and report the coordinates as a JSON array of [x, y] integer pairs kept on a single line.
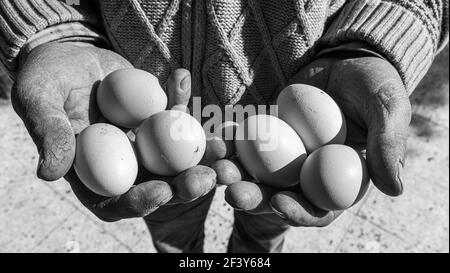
[[231, 127]]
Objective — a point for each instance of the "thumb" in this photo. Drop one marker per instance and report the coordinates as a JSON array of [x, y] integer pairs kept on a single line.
[[41, 108], [388, 122], [372, 95], [179, 88]]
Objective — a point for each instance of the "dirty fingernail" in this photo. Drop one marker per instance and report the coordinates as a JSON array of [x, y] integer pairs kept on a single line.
[[280, 214], [185, 84], [399, 176]]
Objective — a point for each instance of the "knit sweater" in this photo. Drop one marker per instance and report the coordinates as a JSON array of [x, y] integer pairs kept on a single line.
[[238, 51]]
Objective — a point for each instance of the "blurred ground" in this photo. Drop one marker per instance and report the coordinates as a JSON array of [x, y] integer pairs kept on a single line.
[[5, 86], [46, 217]]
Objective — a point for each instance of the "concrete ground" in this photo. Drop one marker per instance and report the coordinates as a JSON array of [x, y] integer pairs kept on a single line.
[[46, 217]]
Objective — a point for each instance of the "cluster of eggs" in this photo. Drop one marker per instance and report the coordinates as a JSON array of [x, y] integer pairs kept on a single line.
[[304, 145], [166, 142]]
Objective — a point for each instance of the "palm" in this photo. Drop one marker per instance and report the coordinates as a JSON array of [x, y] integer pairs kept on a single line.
[[376, 105], [337, 80], [80, 104], [371, 95], [80, 109], [55, 95]]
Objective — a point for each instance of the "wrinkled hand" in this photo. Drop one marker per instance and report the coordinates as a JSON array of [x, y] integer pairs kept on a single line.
[[372, 96], [54, 95]]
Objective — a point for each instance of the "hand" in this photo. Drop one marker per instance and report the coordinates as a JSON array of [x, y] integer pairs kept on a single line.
[[372, 96], [54, 95]]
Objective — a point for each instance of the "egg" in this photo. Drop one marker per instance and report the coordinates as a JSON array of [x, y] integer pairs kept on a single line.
[[270, 150], [334, 177], [127, 97], [170, 142], [105, 160], [313, 114]]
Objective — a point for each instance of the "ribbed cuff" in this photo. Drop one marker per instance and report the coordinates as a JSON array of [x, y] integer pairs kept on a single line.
[[21, 21], [68, 32], [397, 33], [351, 49]]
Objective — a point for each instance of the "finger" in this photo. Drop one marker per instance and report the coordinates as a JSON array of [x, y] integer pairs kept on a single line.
[[297, 211], [145, 175], [220, 144], [41, 107], [194, 183], [139, 201], [390, 116], [229, 171], [376, 99], [250, 197], [179, 88], [356, 137], [217, 148]]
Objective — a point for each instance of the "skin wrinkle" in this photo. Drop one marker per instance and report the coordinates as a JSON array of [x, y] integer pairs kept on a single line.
[[144, 206], [96, 62], [40, 121], [387, 108], [391, 109], [196, 182], [386, 98], [61, 142], [382, 171], [313, 216]]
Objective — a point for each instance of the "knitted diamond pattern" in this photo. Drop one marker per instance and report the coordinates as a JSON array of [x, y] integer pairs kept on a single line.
[[238, 51]]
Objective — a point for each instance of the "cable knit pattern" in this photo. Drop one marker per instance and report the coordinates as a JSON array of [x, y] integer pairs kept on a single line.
[[404, 31], [242, 51]]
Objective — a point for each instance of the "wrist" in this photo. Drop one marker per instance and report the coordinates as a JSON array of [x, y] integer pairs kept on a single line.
[[77, 33], [355, 49]]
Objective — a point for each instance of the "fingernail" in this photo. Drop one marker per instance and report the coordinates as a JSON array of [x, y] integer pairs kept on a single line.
[[39, 166], [41, 162], [181, 107], [399, 175], [280, 214], [185, 84]]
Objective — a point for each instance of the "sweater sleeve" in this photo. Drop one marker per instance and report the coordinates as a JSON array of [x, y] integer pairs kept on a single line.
[[25, 25], [408, 33]]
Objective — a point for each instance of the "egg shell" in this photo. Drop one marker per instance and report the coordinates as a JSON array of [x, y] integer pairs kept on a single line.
[[105, 160], [270, 150], [170, 142], [313, 114], [126, 97], [334, 177]]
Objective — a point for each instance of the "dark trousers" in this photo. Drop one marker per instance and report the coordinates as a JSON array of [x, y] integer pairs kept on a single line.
[[180, 228]]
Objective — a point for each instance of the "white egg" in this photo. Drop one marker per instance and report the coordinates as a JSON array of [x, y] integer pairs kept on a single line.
[[270, 150], [334, 177], [170, 142], [127, 97], [313, 114], [105, 160]]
